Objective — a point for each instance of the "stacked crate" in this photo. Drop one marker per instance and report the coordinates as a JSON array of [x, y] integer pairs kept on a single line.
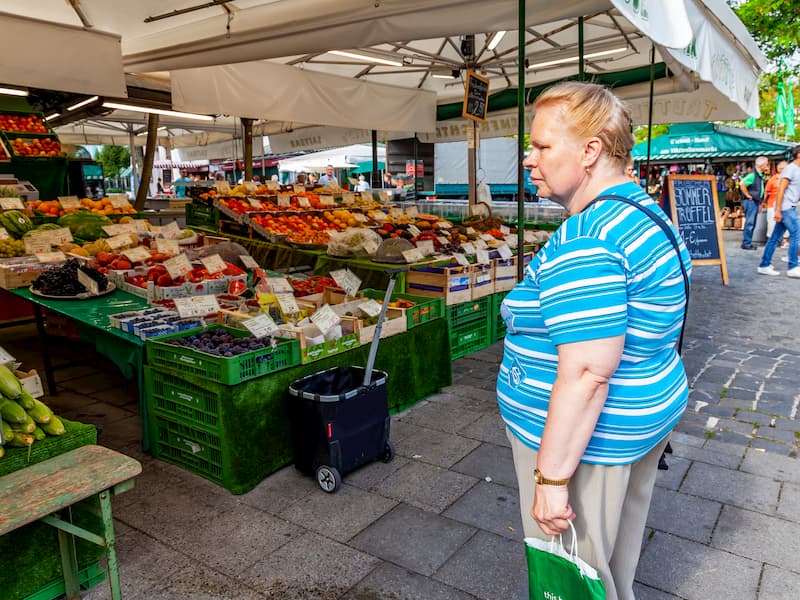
[[469, 325]]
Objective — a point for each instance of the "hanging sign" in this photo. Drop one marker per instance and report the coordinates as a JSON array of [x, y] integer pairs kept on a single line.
[[476, 97]]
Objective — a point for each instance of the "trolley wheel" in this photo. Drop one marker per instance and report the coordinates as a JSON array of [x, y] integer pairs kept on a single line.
[[388, 452], [329, 478]]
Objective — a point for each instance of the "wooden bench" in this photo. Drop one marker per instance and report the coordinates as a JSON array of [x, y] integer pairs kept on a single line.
[[46, 491]]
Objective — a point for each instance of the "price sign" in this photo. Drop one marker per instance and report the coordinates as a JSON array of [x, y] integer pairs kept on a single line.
[[119, 241], [303, 202], [137, 254], [120, 228], [58, 236], [248, 261], [168, 247], [255, 203], [413, 230], [461, 259], [505, 251], [370, 308], [12, 204], [3, 233], [512, 241], [427, 247], [384, 196], [197, 306], [445, 224], [370, 246], [298, 189], [87, 282], [214, 263], [34, 245], [51, 257], [325, 319], [288, 304], [468, 248], [367, 196], [347, 280], [482, 256], [284, 199], [481, 245], [413, 255], [171, 231], [396, 213], [280, 285], [471, 231], [69, 202], [273, 185], [360, 217], [261, 326], [487, 237], [178, 266], [140, 226], [504, 229], [251, 186], [119, 201], [223, 187], [442, 240], [348, 198], [326, 200], [412, 212]]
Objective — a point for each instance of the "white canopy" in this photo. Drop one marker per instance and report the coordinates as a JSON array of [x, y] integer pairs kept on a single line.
[[341, 158]]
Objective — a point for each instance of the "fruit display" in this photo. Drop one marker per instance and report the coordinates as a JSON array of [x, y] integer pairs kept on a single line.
[[222, 343], [23, 419], [11, 248], [35, 147], [85, 225], [285, 224], [63, 281], [48, 208], [4, 157], [22, 123], [311, 285], [104, 207], [15, 223], [309, 238], [159, 275]]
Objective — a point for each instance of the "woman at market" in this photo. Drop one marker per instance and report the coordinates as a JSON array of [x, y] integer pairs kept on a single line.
[[591, 384]]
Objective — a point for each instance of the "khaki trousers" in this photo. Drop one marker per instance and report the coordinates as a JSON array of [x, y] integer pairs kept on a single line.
[[611, 505]]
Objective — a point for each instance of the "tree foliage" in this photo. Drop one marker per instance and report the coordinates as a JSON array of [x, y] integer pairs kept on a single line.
[[114, 159], [774, 24]]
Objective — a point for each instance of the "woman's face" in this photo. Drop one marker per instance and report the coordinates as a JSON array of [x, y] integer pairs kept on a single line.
[[555, 156]]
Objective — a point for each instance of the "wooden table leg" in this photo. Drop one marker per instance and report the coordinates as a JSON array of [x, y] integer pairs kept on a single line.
[[48, 367], [111, 545]]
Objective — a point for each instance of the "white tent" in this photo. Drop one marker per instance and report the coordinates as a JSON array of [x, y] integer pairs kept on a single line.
[[341, 158]]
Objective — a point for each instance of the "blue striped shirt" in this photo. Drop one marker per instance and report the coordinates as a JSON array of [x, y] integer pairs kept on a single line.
[[607, 271]]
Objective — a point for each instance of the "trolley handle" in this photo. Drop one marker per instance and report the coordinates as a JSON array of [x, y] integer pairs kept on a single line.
[[373, 348]]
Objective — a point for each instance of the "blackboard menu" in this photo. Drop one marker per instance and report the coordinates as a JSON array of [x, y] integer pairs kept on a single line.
[[694, 209], [476, 97]]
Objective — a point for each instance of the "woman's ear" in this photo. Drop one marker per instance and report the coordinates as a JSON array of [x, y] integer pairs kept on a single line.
[[592, 150]]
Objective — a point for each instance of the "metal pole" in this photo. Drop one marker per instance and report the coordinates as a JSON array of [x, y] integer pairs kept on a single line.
[[650, 114], [469, 60], [581, 66], [247, 127], [521, 142], [375, 174]]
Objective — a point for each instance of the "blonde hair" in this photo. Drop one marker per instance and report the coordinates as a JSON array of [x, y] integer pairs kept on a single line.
[[591, 110]]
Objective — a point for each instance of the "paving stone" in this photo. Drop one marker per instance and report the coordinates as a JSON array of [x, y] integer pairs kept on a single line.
[[488, 460], [757, 536], [645, 592], [390, 582], [310, 567], [734, 426], [94, 383], [779, 435], [731, 487], [761, 444], [787, 424], [744, 380], [751, 416], [778, 584], [691, 429], [414, 539], [280, 490], [740, 403], [715, 410], [425, 486], [695, 571], [489, 428], [717, 375], [99, 413], [778, 468], [687, 516], [339, 516], [124, 396], [371, 474], [679, 438], [503, 571], [200, 583], [672, 477], [789, 503], [706, 455], [731, 437], [441, 417], [441, 449], [491, 507]]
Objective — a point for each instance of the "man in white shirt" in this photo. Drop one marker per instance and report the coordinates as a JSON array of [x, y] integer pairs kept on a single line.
[[362, 185], [785, 219], [328, 179]]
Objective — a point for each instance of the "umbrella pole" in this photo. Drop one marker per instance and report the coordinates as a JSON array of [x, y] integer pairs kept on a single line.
[[521, 142], [375, 175], [650, 114], [581, 66]]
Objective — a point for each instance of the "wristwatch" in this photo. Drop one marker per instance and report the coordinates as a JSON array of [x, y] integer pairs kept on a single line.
[[540, 479]]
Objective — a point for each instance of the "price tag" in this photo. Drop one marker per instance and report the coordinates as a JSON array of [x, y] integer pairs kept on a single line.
[[487, 237], [248, 261], [280, 285], [57, 236], [178, 266], [413, 255], [471, 231], [261, 326], [171, 231], [298, 189], [413, 230], [223, 187], [482, 256], [504, 229], [5, 357], [367, 196], [288, 304], [51, 257], [273, 185], [196, 306], [360, 217], [3, 233], [140, 226], [427, 247], [119, 201], [255, 203], [168, 247], [481, 245], [87, 282], [35, 245], [347, 280], [370, 246], [396, 213], [284, 199], [512, 241], [326, 200], [442, 240], [412, 212], [370, 308], [13, 204], [303, 202], [113, 230], [69, 202], [505, 251], [119, 241], [348, 198], [468, 248], [214, 263], [325, 319], [250, 186], [461, 259], [444, 224], [137, 254], [384, 196]]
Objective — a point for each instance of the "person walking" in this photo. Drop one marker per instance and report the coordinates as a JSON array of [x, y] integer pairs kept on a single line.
[[785, 219], [771, 194], [591, 383], [752, 187]]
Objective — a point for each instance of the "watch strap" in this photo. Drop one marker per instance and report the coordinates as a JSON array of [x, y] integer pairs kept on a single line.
[[542, 480]]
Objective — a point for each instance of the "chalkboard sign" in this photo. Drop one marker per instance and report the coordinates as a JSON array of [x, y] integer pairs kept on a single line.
[[693, 203], [476, 97]]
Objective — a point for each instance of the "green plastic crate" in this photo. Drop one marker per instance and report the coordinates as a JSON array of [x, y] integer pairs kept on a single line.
[[469, 337], [87, 578], [469, 312], [425, 309], [189, 447], [498, 325], [203, 216], [172, 395], [229, 371]]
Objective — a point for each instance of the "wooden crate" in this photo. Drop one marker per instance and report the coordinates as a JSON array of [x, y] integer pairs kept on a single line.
[[20, 272], [482, 282], [453, 283]]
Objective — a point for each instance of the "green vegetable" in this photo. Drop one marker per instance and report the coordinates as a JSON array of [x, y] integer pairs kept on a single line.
[[26, 401], [9, 384], [40, 413], [54, 427], [29, 426], [39, 434], [12, 412], [15, 223], [8, 433], [85, 225], [21, 440]]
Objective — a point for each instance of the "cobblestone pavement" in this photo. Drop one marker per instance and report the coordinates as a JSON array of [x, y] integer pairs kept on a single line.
[[442, 521]]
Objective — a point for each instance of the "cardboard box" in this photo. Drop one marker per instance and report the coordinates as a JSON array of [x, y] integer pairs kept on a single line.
[[31, 382]]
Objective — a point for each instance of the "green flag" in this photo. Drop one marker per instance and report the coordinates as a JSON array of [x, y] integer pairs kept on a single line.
[[750, 123], [781, 116], [789, 109]]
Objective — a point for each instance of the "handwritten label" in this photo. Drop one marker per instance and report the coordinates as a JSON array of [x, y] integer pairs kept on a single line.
[[279, 285], [325, 319], [471, 231], [468, 248], [488, 237], [413, 230], [171, 231], [348, 198], [261, 326], [196, 306], [412, 212], [119, 228], [396, 213], [273, 185], [326, 200], [370, 308], [367, 196], [413, 255], [461, 259], [442, 240], [298, 189], [87, 282], [3, 234], [444, 224], [370, 246], [223, 187], [481, 244], [284, 199], [248, 261], [214, 263], [347, 280], [255, 203], [504, 229], [361, 218], [120, 241], [119, 201], [140, 226], [168, 247], [137, 254], [482, 256], [50, 257], [177, 266], [69, 202], [56, 237], [303, 202], [34, 245], [288, 304], [426, 246], [250, 186], [505, 251], [12, 204]]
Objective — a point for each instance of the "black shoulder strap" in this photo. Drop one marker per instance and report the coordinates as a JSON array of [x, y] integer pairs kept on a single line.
[[670, 236]]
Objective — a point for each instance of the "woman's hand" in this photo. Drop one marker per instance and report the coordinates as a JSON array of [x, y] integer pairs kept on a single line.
[[551, 509]]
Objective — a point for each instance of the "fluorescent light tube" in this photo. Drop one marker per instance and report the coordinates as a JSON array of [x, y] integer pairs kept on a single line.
[[83, 103], [157, 111], [367, 58], [442, 76], [495, 40], [13, 91], [560, 61], [53, 116]]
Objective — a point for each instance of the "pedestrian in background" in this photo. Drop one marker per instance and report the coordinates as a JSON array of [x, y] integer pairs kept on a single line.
[[770, 195], [752, 188], [785, 219]]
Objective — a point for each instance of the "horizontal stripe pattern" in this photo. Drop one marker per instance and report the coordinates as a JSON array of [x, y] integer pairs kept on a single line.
[[607, 271]]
